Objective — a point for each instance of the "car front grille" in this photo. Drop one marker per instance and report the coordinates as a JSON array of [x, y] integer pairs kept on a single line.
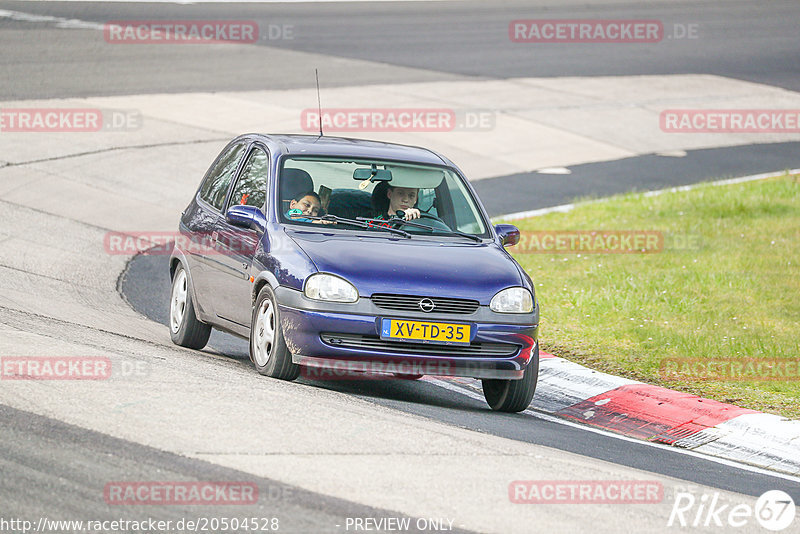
[[411, 303], [376, 344]]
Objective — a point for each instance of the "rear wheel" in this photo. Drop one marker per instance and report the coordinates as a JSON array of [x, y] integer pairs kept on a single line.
[[513, 395], [185, 328], [267, 346]]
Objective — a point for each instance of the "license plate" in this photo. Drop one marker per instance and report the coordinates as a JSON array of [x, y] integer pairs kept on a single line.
[[445, 333]]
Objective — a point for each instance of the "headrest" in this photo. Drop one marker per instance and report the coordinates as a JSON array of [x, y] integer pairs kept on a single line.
[[294, 182]]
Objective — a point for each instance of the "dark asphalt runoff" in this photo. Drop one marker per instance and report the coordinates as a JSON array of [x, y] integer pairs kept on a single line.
[[641, 173]]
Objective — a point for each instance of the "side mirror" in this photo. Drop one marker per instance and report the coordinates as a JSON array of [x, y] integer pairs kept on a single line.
[[246, 217], [508, 234]]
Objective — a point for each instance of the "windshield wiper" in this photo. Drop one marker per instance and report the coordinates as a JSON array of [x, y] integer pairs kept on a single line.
[[440, 231], [360, 224]]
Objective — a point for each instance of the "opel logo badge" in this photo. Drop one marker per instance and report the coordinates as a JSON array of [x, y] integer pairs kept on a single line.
[[426, 305]]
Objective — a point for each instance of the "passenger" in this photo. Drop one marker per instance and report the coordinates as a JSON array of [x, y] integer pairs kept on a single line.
[[388, 199], [308, 204]]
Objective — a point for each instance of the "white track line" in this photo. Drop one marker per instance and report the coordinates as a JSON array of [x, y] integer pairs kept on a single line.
[[553, 419]]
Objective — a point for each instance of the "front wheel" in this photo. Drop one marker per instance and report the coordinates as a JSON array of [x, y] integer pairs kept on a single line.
[[513, 395], [184, 327], [267, 347]]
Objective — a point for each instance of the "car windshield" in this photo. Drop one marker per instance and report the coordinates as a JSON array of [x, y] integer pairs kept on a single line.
[[314, 187]]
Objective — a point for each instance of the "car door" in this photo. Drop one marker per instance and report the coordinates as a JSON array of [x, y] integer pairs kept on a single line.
[[200, 221], [236, 245]]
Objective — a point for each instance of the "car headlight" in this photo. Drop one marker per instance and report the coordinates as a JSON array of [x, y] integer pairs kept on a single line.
[[512, 300], [328, 287]]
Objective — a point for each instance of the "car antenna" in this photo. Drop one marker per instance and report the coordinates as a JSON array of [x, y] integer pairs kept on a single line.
[[319, 102]]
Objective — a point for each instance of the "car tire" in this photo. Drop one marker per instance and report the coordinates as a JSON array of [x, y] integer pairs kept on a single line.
[[268, 349], [185, 328], [513, 395]]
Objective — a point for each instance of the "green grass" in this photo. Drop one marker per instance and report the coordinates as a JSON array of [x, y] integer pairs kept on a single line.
[[736, 295]]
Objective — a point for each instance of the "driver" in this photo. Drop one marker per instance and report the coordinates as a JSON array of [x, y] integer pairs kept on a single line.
[[388, 199]]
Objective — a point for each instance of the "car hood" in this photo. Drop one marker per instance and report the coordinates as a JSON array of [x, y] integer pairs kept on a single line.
[[416, 266]]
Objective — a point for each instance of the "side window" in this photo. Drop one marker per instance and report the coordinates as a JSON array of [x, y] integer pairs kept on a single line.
[[251, 189], [466, 215], [216, 185], [426, 201]]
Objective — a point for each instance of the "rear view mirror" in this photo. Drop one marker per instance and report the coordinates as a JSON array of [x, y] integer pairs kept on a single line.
[[373, 174]]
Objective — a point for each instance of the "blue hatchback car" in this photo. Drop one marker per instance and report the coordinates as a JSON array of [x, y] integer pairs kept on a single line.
[[350, 255]]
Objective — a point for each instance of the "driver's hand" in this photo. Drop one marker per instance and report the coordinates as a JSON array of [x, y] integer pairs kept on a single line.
[[411, 213]]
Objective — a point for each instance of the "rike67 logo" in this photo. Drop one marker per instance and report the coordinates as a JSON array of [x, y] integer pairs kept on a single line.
[[774, 510]]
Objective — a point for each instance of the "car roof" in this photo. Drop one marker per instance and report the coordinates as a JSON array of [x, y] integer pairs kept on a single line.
[[341, 146]]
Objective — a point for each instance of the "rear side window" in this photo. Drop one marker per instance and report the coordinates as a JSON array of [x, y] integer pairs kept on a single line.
[[216, 185], [251, 189]]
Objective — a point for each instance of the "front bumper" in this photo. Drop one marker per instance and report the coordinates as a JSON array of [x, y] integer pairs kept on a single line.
[[346, 337]]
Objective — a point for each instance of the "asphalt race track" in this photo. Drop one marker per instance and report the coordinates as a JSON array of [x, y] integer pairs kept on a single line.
[[147, 289], [568, 121]]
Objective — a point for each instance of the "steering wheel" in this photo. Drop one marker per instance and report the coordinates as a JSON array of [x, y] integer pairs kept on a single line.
[[425, 215]]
